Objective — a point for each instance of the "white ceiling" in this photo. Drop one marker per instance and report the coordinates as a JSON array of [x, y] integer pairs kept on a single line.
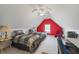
[[20, 16]]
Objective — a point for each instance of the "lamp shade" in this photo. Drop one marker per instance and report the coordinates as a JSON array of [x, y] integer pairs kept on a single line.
[[5, 28], [5, 33]]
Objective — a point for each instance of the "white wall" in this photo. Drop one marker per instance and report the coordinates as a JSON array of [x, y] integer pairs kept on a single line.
[[20, 16]]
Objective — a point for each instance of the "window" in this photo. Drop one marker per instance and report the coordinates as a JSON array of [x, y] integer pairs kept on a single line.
[[47, 28]]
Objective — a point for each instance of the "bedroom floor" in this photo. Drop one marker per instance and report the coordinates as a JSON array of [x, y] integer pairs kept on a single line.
[[49, 45]]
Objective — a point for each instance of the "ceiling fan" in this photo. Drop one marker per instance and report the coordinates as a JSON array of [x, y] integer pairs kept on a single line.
[[41, 9]]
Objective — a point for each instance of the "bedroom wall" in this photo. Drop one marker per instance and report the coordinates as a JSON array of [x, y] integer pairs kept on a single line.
[[21, 17]]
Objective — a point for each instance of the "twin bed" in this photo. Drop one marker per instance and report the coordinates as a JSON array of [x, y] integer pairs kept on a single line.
[[28, 42]]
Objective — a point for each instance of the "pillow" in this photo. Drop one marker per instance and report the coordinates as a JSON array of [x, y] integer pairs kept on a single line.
[[17, 32]]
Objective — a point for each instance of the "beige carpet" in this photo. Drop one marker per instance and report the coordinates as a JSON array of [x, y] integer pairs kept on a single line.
[[49, 45], [14, 50]]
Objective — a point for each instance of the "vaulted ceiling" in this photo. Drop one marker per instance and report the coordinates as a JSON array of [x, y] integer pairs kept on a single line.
[[21, 16]]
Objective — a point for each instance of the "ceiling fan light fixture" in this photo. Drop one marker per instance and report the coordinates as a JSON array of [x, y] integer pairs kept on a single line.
[[41, 14]]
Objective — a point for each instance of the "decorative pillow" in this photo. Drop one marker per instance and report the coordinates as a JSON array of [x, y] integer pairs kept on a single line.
[[30, 31], [17, 32]]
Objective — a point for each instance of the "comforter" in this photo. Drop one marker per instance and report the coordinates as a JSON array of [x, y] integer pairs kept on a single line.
[[32, 41]]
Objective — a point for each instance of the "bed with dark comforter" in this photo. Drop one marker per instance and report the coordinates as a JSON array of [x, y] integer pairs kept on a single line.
[[28, 42]]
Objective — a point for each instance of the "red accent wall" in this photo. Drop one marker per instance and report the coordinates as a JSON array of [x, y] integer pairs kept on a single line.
[[55, 28]]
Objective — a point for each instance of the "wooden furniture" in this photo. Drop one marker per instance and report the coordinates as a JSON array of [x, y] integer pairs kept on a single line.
[[5, 37]]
